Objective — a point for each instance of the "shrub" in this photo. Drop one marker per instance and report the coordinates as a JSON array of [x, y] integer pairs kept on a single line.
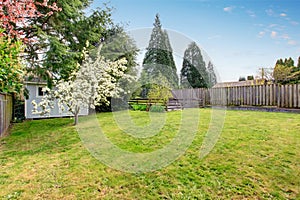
[[242, 79], [249, 78], [157, 108], [140, 107]]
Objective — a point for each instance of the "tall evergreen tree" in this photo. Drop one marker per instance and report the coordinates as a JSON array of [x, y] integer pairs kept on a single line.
[[285, 72], [61, 37], [118, 44], [289, 62], [193, 72], [172, 65], [282, 74], [158, 58], [298, 65], [279, 62], [211, 74]]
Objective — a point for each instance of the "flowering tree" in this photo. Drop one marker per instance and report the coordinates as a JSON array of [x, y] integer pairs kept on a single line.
[[89, 86], [160, 89], [17, 13]]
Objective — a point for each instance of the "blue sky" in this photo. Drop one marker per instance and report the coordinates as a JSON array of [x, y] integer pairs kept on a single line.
[[239, 36]]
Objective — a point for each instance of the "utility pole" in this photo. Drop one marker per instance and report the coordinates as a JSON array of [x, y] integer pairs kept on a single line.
[[266, 72]]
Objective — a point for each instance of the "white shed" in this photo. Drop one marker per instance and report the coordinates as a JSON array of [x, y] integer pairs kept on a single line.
[[35, 93]]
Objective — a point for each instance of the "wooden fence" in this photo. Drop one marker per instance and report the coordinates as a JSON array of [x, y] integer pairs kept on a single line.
[[191, 97], [282, 96], [6, 111]]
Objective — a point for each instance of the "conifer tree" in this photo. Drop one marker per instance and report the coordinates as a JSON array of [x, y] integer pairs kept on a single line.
[[211, 74], [279, 62], [289, 62], [61, 37], [172, 65], [158, 58], [193, 72], [285, 72]]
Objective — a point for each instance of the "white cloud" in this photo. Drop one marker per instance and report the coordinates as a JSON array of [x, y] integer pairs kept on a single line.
[[270, 12], [277, 27], [251, 13], [294, 23], [283, 15], [272, 25], [273, 34], [261, 34], [292, 42], [214, 37], [228, 9], [285, 36], [260, 25]]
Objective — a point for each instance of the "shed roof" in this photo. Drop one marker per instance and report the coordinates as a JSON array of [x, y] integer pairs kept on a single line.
[[35, 81], [240, 83]]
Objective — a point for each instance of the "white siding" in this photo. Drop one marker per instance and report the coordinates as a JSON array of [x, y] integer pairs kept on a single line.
[[33, 95]]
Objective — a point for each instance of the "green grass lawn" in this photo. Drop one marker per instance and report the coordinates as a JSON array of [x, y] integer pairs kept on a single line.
[[256, 157]]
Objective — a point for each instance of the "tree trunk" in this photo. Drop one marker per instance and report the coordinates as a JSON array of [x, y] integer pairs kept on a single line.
[[76, 119], [77, 109]]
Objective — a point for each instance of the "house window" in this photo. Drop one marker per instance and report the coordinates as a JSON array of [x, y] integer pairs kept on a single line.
[[40, 91]]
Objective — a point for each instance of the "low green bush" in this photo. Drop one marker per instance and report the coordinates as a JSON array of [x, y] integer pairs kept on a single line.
[[157, 108], [140, 107]]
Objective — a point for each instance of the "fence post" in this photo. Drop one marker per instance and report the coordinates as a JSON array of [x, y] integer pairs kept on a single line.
[[260, 95], [1, 115], [298, 94], [267, 95], [271, 95], [283, 100], [263, 90], [278, 95], [290, 95], [5, 112], [295, 95]]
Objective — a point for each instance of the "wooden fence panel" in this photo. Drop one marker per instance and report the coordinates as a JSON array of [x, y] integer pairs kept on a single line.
[[298, 95], [270, 101], [240, 97], [279, 96], [257, 95], [273, 95], [248, 95], [245, 96], [249, 102], [267, 97], [6, 111], [212, 96], [295, 100], [285, 96], [260, 95], [232, 96], [290, 88], [270, 95], [263, 95], [282, 96]]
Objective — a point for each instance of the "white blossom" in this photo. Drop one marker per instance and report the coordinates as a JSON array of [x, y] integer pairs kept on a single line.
[[87, 87]]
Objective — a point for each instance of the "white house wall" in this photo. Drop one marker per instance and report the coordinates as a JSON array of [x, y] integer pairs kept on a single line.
[[55, 112]]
